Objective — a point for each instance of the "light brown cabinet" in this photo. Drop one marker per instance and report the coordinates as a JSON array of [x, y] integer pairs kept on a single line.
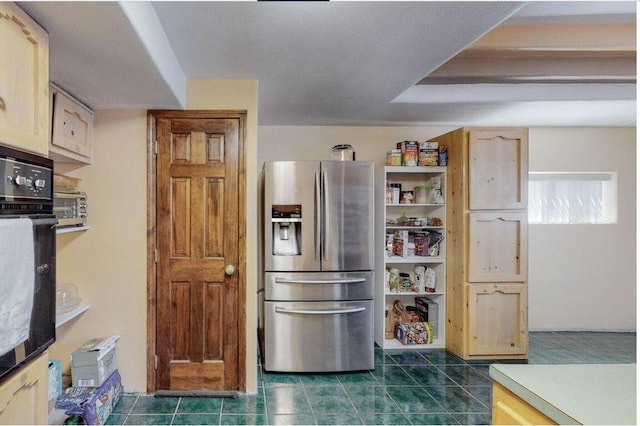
[[498, 169], [487, 242], [23, 397], [502, 309], [24, 81], [72, 129], [497, 246], [509, 409]]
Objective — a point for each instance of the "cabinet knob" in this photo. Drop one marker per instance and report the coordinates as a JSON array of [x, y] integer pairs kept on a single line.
[[3, 106]]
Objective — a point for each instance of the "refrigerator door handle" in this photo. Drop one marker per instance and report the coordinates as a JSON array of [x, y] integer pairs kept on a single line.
[[325, 215], [337, 281], [316, 213], [281, 310]]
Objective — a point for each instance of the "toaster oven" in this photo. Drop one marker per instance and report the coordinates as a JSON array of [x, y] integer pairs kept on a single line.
[[70, 208]]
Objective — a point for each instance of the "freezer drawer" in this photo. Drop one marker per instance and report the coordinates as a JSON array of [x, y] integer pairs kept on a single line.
[[308, 337], [316, 286]]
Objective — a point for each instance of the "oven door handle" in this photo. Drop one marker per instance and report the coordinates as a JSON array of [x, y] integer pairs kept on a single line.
[[281, 310], [51, 221], [338, 281]]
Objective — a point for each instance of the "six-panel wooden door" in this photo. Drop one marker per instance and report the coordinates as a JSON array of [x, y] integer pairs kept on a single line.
[[199, 303]]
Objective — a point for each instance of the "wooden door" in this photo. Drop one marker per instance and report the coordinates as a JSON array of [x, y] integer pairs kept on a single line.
[[200, 336], [497, 319]]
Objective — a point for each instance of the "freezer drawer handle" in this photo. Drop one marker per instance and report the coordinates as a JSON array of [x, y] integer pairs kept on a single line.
[[343, 281], [318, 311]]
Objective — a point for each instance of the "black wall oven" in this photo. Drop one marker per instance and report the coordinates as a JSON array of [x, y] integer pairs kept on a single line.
[[27, 258]]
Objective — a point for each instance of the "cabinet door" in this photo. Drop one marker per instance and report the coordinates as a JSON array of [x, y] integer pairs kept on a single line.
[[497, 247], [509, 409], [497, 319], [498, 169], [24, 81], [72, 129], [23, 397]]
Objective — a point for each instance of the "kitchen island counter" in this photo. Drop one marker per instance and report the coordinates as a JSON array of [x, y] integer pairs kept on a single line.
[[570, 394]]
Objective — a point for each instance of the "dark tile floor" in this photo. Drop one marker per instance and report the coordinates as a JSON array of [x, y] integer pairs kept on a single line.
[[406, 387]]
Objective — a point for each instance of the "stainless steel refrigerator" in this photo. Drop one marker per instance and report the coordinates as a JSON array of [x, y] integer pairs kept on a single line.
[[318, 266]]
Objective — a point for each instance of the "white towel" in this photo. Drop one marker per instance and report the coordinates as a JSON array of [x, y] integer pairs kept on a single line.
[[17, 281]]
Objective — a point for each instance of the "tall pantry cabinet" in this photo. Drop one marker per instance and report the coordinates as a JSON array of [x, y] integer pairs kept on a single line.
[[487, 177]]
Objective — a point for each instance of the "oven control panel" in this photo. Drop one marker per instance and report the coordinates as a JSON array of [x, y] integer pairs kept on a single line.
[[23, 180]]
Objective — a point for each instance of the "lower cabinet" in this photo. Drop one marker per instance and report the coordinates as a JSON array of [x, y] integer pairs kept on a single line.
[[23, 398], [497, 319], [508, 409]]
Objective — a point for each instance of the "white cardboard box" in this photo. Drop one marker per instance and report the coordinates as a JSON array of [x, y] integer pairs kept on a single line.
[[93, 362]]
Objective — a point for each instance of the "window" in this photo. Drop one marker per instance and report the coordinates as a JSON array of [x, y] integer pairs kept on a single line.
[[573, 198]]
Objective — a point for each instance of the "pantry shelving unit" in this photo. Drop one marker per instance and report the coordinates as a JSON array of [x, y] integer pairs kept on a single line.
[[387, 213]]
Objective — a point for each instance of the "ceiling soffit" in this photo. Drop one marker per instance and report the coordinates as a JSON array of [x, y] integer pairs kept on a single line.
[[589, 53]]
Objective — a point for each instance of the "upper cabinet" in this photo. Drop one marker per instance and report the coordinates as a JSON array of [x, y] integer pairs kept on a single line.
[[498, 169], [72, 129], [24, 81]]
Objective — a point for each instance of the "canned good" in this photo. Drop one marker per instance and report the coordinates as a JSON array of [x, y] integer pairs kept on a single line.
[[422, 193], [405, 282], [394, 157], [396, 188]]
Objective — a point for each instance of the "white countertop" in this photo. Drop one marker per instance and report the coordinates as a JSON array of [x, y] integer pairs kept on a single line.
[[574, 393]]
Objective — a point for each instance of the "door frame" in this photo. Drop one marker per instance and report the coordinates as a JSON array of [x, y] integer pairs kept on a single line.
[[152, 115]]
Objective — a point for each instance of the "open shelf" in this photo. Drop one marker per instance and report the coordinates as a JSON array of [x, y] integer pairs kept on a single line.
[[413, 293], [406, 230], [68, 316], [67, 229], [415, 259], [395, 344]]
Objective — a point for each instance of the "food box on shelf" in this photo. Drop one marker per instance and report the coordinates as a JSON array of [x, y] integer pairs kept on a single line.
[[401, 244], [431, 309], [93, 362], [421, 240], [428, 154], [414, 333]]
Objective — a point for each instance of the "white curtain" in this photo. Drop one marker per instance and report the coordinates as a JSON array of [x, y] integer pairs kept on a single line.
[[569, 198]]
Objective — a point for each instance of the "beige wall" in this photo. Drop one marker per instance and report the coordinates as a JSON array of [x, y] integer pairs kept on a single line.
[[315, 142], [583, 277], [108, 262]]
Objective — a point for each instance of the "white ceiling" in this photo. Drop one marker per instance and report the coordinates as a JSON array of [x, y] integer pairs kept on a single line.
[[324, 63]]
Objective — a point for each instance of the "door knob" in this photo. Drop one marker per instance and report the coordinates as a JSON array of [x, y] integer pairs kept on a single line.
[[229, 269]]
